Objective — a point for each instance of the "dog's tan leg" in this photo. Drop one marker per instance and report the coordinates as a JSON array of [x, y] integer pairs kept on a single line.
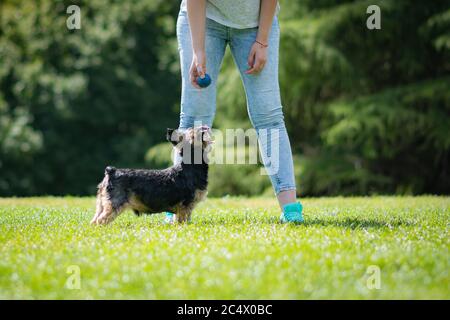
[[182, 215], [99, 205], [186, 211], [107, 210], [108, 214]]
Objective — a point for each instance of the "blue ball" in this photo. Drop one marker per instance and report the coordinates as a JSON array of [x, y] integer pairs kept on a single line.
[[206, 81]]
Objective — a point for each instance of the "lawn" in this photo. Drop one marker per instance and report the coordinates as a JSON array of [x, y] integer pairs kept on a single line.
[[234, 248]]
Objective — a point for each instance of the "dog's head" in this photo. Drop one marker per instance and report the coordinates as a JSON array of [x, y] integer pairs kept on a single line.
[[190, 141]]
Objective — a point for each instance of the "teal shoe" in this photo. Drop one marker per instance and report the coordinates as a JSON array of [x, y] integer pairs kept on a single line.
[[292, 212], [169, 219]]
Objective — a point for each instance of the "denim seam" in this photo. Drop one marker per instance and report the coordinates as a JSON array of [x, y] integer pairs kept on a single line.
[[285, 188]]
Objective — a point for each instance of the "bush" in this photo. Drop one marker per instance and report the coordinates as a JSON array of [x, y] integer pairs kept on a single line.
[[74, 101]]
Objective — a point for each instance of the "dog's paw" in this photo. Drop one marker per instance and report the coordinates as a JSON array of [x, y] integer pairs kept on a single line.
[[100, 220], [105, 219]]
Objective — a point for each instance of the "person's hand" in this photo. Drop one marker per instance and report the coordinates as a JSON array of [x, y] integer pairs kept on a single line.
[[257, 58], [198, 68]]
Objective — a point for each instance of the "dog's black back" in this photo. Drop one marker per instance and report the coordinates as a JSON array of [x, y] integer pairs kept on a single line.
[[158, 190]]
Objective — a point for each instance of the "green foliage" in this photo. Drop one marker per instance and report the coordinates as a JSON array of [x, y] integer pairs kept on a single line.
[[83, 98], [159, 156], [360, 105], [367, 110], [389, 133], [234, 248], [238, 179]]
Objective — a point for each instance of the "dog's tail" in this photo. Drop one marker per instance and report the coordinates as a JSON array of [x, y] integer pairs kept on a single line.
[[110, 170]]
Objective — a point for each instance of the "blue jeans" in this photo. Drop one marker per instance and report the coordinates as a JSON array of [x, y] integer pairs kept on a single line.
[[262, 92]]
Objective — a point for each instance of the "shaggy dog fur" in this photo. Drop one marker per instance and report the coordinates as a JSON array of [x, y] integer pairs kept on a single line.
[[176, 189]]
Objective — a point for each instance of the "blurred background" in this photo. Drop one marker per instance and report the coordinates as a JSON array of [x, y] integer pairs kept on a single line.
[[368, 111]]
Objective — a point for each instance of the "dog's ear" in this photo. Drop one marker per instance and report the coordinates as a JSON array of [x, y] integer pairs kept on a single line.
[[169, 134], [206, 136], [173, 136]]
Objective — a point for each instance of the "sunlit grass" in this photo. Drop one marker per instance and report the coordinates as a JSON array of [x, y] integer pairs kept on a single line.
[[233, 249]]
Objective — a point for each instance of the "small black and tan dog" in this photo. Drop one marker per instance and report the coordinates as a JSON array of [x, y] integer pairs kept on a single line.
[[176, 189]]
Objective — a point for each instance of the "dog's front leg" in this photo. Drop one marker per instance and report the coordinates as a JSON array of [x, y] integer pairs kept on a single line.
[[182, 215]]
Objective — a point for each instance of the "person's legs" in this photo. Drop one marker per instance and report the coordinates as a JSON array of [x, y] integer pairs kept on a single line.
[[265, 111], [198, 106]]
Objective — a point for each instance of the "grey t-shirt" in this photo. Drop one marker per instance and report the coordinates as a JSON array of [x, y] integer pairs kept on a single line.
[[239, 14]]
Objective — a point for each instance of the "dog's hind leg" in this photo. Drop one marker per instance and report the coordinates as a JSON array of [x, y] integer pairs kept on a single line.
[[99, 204], [108, 214], [109, 211]]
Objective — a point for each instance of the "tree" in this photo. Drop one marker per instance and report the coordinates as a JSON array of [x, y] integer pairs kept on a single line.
[[81, 99], [368, 111]]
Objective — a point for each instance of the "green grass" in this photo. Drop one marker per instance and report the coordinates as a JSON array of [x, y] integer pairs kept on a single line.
[[233, 249]]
